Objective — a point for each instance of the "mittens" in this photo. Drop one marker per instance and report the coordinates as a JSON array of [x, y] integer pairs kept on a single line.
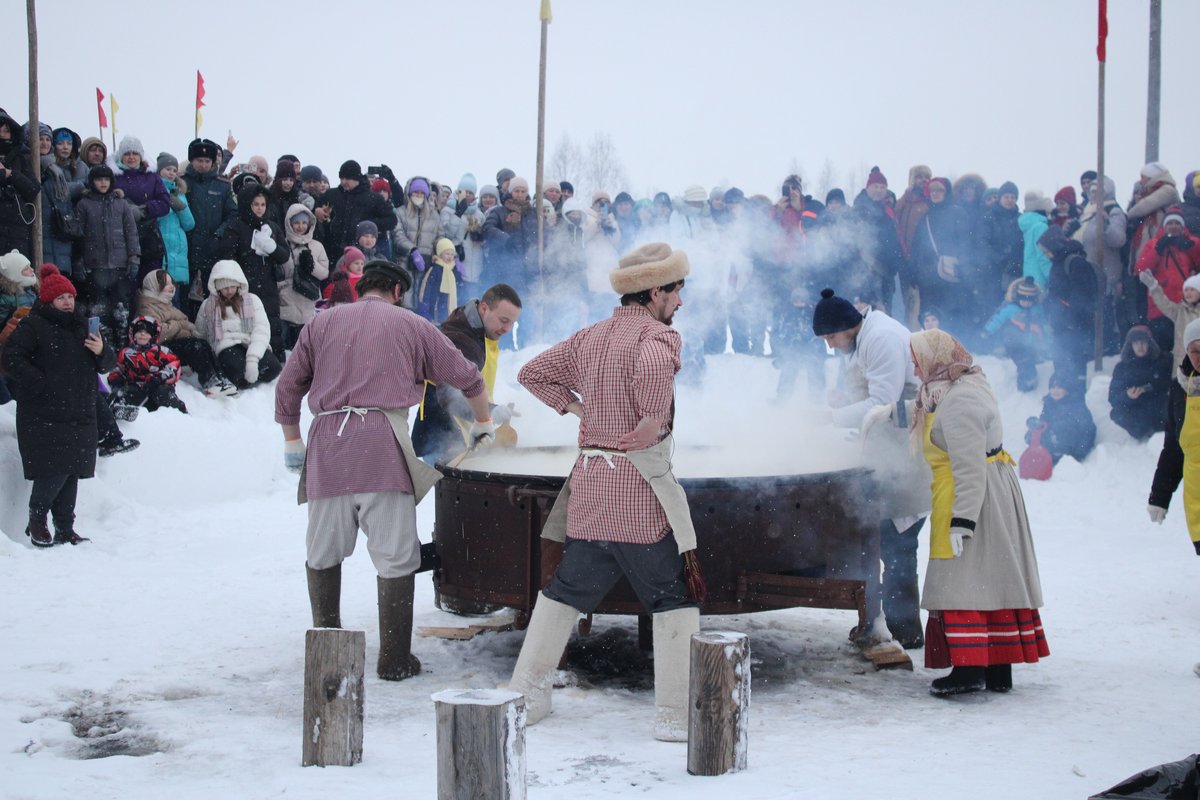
[[251, 370]]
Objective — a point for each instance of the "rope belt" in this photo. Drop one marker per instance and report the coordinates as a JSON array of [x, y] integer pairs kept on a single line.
[[589, 453], [348, 410]]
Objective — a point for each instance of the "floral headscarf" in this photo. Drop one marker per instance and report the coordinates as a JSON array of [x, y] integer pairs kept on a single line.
[[942, 360]]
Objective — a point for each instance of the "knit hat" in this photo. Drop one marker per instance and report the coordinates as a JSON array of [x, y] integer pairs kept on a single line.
[[734, 195], [1008, 187], [489, 191], [599, 195], [63, 135], [202, 148], [626, 197], [224, 283], [716, 193], [1153, 171], [1174, 213], [394, 271], [418, 186], [11, 265], [834, 314], [649, 266], [1192, 332], [350, 254], [443, 245], [695, 194], [567, 186], [835, 194], [1066, 193], [503, 175], [1028, 288], [876, 177], [350, 169], [944, 182], [467, 183], [310, 172], [550, 186], [285, 169], [380, 185], [131, 144], [366, 227], [991, 192], [54, 284], [1036, 201], [144, 323], [518, 183], [1193, 282], [166, 160]]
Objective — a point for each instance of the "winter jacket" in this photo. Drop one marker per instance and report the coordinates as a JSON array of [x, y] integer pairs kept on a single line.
[[1145, 414], [144, 189], [18, 191], [879, 371], [55, 376], [472, 266], [1035, 264], [911, 208], [174, 227], [262, 272], [281, 202], [942, 233], [140, 366], [14, 296], [350, 208], [1029, 321], [173, 323], [1005, 243], [210, 199], [1146, 215], [415, 229], [1070, 429], [883, 253], [1115, 224], [56, 197], [293, 306], [1172, 259], [250, 328], [601, 250], [1071, 288], [1180, 313], [110, 236], [974, 249], [435, 429]]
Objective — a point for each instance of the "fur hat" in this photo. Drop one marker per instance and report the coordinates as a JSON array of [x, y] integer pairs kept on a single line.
[[834, 314], [310, 172], [366, 227], [919, 171], [350, 169], [54, 284], [131, 144], [648, 267], [11, 265], [166, 160], [1036, 201], [467, 183], [202, 148], [876, 177], [695, 194]]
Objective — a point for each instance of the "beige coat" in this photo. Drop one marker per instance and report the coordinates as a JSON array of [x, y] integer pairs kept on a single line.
[[998, 568], [173, 322], [293, 306]]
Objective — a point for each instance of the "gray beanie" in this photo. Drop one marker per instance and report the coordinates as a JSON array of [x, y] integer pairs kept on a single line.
[[166, 160], [131, 144]]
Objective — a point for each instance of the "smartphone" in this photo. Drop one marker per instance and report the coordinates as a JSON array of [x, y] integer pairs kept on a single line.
[[93, 326], [375, 170]]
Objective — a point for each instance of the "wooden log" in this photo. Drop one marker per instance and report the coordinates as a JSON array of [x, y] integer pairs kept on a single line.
[[333, 697], [719, 702], [480, 744]]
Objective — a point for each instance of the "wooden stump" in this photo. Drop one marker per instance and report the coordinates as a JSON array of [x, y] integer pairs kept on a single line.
[[333, 697], [719, 699], [480, 744]]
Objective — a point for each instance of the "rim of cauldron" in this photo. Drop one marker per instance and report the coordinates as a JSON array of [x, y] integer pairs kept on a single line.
[[463, 473]]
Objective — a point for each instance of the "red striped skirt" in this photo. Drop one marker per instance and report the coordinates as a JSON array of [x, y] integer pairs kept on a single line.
[[983, 638]]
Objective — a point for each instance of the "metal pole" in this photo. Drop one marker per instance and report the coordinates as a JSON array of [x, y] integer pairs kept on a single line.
[[35, 157], [537, 197], [1154, 88], [1100, 220]]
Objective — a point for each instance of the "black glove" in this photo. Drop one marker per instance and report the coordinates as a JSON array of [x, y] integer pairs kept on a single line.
[[1164, 242], [386, 173], [305, 261], [1184, 242]]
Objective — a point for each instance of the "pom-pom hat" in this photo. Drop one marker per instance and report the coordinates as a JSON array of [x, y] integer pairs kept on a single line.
[[834, 314], [54, 284]]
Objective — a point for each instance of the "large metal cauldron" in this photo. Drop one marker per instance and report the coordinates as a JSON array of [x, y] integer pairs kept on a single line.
[[765, 542]]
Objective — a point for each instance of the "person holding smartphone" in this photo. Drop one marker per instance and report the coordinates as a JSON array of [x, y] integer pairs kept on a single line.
[[52, 357]]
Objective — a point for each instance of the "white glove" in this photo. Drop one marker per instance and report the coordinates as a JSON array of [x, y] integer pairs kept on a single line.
[[1157, 513], [958, 539], [878, 415], [502, 414], [1149, 281], [482, 432], [262, 242], [251, 370], [293, 454]]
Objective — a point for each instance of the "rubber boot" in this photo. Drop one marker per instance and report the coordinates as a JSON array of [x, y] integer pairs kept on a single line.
[[999, 677], [38, 531], [545, 639], [672, 671], [396, 661], [325, 596], [961, 680]]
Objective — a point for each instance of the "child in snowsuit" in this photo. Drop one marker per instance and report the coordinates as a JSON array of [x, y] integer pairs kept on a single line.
[[146, 371], [438, 287], [1138, 391], [1020, 324], [1070, 430], [1182, 460]]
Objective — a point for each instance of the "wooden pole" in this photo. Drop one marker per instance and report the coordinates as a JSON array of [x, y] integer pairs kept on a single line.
[[480, 744], [35, 149], [1154, 87], [1099, 221], [541, 153], [719, 699], [333, 697]]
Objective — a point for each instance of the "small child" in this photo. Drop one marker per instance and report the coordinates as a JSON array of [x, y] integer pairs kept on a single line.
[[111, 249], [1021, 324], [18, 285], [367, 238], [437, 292], [146, 371], [1138, 391], [1070, 430], [351, 263], [338, 292], [931, 319]]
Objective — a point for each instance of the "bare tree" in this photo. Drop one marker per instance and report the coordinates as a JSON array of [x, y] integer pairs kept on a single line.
[[825, 181], [567, 162], [603, 170]]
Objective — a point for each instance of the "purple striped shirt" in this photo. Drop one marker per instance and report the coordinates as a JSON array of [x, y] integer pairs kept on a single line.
[[368, 354]]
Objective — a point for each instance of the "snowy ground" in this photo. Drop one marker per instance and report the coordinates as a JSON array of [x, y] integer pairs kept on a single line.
[[179, 631]]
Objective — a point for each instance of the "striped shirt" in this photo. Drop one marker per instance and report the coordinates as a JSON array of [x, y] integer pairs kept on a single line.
[[368, 354], [621, 370]]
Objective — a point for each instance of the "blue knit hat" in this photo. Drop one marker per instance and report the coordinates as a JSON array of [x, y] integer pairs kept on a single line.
[[467, 183], [834, 314]]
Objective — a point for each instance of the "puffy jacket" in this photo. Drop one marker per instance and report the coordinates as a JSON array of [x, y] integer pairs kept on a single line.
[[174, 227], [262, 273], [293, 306], [18, 191], [1035, 264], [143, 188], [253, 329], [110, 236], [1172, 259], [350, 208], [1112, 263], [210, 199]]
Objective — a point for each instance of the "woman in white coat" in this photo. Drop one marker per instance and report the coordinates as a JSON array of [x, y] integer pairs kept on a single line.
[[982, 588], [234, 323]]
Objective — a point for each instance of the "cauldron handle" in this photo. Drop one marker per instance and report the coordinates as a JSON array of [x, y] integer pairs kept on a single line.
[[526, 492]]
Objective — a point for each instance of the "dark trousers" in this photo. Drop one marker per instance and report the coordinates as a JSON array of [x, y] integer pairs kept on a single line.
[[901, 595], [108, 299], [152, 396], [56, 496], [590, 569], [195, 353], [106, 423], [232, 361]]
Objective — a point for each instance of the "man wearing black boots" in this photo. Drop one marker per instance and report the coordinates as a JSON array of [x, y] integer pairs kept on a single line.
[[363, 365]]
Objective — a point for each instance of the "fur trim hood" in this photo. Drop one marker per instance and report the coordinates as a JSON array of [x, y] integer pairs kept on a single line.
[[229, 270]]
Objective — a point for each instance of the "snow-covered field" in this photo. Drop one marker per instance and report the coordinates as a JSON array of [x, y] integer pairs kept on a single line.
[[179, 632]]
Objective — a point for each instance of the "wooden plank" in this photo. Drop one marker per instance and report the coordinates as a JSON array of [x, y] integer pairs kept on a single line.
[[471, 631], [888, 655], [718, 703], [333, 697], [480, 744]]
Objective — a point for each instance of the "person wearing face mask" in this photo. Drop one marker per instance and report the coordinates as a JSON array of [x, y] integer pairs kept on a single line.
[[418, 227], [260, 248], [157, 300], [18, 190]]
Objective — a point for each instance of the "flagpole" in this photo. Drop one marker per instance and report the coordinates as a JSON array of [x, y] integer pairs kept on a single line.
[[545, 16], [1099, 219], [112, 122], [34, 126]]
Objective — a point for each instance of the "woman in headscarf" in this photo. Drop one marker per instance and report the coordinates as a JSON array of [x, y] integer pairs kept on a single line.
[[982, 588]]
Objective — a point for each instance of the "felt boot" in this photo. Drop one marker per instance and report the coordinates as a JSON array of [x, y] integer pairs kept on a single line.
[[545, 639], [396, 661], [325, 596], [672, 671], [961, 680], [999, 677]]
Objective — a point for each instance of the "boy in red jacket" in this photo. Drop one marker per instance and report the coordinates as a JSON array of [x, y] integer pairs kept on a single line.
[[146, 371]]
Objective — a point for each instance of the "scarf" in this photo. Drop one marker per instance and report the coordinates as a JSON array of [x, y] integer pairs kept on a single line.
[[942, 360], [520, 208]]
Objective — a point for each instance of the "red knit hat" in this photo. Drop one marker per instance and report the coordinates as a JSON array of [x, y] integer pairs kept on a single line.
[[876, 177], [380, 185], [1066, 193], [54, 283]]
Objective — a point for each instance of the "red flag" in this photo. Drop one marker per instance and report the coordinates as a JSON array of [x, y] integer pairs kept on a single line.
[[199, 90], [100, 108], [1101, 42]]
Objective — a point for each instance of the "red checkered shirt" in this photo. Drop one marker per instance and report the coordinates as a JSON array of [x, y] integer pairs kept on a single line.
[[621, 370]]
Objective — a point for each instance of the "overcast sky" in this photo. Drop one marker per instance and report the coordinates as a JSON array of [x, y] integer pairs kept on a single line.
[[691, 91]]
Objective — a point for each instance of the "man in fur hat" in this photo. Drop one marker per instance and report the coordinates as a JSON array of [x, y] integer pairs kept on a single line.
[[621, 511]]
